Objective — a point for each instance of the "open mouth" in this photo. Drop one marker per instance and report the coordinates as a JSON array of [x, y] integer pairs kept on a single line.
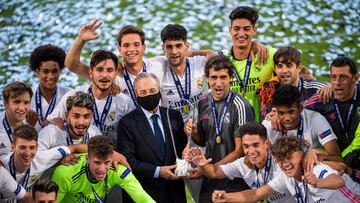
[[288, 169], [100, 175]]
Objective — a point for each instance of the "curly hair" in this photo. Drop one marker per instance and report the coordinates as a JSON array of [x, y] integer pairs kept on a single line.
[[286, 95], [46, 52], [80, 99], [100, 146], [284, 146]]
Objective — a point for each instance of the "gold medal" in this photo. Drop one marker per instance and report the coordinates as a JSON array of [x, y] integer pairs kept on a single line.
[[218, 139], [186, 108]]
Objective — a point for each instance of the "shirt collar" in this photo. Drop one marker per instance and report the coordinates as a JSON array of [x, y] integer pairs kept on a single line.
[[148, 114]]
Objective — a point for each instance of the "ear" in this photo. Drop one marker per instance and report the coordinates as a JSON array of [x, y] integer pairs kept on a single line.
[[119, 49], [90, 72], [67, 115], [356, 77], [230, 29], [255, 28], [163, 47], [37, 72], [301, 107], [267, 143], [187, 45], [144, 46], [12, 147]]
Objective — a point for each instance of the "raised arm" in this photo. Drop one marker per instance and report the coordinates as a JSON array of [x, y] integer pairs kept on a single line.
[[208, 169], [72, 60]]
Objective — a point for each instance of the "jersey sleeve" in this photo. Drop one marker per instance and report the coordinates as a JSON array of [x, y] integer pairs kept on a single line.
[[322, 171], [9, 187], [47, 158], [243, 114], [278, 183], [233, 169], [63, 181], [322, 129], [47, 138], [126, 180]]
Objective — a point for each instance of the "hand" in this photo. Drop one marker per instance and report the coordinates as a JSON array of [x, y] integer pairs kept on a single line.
[[339, 166], [188, 127], [32, 117], [310, 178], [218, 196], [88, 31], [258, 48], [275, 121], [27, 198], [167, 173], [195, 173], [325, 93], [119, 159], [198, 157], [70, 159], [186, 153], [270, 114], [59, 122], [310, 160], [115, 89]]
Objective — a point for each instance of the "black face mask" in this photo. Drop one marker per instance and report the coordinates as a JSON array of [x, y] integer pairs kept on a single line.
[[149, 102]]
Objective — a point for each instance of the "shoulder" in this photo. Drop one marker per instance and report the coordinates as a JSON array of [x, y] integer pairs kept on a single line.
[[313, 84]]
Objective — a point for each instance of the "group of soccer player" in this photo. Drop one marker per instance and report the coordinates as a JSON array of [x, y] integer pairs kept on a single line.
[[256, 128]]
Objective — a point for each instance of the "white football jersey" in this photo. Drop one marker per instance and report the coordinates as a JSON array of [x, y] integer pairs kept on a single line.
[[52, 136], [9, 188], [5, 143]]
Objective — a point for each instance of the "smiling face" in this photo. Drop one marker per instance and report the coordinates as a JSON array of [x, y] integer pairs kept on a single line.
[[18, 107], [289, 116], [255, 149], [343, 82], [242, 32], [132, 49], [79, 119], [288, 73], [99, 166], [175, 51], [24, 151], [48, 74], [219, 82], [103, 74], [292, 166]]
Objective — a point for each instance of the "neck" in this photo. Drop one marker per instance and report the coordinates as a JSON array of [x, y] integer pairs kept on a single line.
[[241, 53], [100, 94], [20, 168], [12, 120], [180, 69], [135, 69], [298, 176], [47, 93]]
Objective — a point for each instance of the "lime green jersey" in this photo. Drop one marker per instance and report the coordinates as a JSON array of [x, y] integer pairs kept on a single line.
[[259, 74], [355, 144], [75, 184]]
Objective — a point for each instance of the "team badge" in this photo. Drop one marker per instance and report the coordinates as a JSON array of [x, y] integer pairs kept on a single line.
[[32, 178], [111, 116], [199, 83], [257, 67]]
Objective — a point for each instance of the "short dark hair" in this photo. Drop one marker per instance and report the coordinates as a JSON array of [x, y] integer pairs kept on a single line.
[[246, 12], [253, 128], [286, 95], [44, 53], [101, 55], [15, 89], [173, 32], [80, 99], [287, 55], [284, 146], [130, 29], [26, 132], [45, 185], [342, 61], [100, 146], [217, 63]]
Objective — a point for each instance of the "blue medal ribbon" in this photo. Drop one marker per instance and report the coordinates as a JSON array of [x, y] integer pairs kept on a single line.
[[266, 173], [344, 125], [38, 104], [183, 94], [130, 86], [99, 122], [69, 140], [299, 196], [300, 85], [243, 83], [97, 197], [7, 128], [300, 132], [219, 122], [13, 172]]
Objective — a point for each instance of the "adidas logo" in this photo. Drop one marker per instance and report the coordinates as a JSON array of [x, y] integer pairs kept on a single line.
[[2, 146], [170, 92], [125, 91], [253, 185]]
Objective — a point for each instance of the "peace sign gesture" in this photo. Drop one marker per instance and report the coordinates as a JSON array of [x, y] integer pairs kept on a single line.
[[88, 31]]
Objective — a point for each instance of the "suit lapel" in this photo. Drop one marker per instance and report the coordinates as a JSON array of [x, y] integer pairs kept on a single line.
[[143, 127]]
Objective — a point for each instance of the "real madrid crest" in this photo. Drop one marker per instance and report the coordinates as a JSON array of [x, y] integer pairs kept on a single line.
[[199, 83], [111, 116]]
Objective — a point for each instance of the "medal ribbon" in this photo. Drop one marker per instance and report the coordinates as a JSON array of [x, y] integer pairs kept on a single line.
[[13, 172], [219, 122], [7, 128], [130, 86], [300, 85], [182, 94], [38, 104], [299, 197], [267, 171], [97, 197], [243, 83], [99, 122], [300, 132]]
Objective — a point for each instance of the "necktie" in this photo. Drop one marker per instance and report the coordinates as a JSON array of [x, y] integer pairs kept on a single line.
[[158, 134]]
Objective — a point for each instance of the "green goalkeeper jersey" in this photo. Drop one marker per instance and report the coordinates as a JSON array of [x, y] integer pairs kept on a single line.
[[75, 184], [259, 74]]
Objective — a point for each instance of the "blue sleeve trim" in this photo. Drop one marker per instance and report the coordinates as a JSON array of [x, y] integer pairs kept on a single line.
[[18, 189], [62, 152], [322, 173], [125, 173]]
